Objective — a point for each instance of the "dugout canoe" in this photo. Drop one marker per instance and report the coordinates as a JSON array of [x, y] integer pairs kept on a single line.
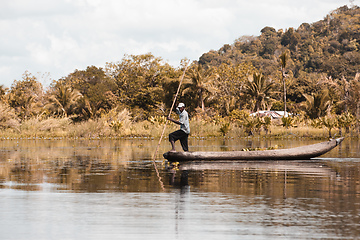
[[297, 153]]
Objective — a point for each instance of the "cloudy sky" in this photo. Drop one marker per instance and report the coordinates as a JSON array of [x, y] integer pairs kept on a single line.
[[55, 37]]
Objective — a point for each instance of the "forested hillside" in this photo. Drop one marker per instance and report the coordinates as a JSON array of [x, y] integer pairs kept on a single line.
[[327, 50], [329, 46]]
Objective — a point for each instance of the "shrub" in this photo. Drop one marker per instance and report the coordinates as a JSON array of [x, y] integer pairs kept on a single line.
[[287, 122], [8, 117], [225, 128]]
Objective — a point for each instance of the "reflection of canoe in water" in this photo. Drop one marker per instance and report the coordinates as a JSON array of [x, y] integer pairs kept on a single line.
[[298, 167], [298, 153]]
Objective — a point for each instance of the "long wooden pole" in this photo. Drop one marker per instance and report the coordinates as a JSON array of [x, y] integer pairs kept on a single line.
[[162, 134]]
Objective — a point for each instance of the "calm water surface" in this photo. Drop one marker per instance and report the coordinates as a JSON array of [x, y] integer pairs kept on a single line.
[[108, 189]]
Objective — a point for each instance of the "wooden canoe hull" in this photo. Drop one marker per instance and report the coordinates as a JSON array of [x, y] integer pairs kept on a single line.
[[298, 153]]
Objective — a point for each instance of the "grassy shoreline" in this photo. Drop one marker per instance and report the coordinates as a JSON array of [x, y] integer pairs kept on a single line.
[[63, 128]]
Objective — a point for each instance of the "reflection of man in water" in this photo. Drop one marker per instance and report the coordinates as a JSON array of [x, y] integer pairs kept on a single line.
[[183, 133]]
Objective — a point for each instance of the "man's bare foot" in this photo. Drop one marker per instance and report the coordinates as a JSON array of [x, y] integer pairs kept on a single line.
[[172, 150]]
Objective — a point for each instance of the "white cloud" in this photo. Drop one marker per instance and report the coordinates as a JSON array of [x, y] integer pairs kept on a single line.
[[59, 36]]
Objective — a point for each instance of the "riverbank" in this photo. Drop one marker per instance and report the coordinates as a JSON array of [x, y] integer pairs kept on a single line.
[[52, 128]]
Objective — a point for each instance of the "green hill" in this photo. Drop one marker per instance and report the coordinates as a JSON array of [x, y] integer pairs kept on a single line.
[[329, 47]]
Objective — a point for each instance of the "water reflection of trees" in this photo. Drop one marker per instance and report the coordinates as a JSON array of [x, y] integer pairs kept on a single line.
[[80, 173], [98, 165], [79, 165]]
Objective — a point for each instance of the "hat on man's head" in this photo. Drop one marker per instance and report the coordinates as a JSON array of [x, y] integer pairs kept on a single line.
[[181, 105]]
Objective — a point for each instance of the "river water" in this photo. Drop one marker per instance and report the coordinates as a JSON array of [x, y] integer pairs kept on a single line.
[[109, 189]]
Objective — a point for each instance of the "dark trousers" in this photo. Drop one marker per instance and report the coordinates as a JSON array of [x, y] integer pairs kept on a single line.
[[182, 136]]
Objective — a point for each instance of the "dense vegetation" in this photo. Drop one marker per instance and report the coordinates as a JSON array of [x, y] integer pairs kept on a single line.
[[311, 71], [322, 55]]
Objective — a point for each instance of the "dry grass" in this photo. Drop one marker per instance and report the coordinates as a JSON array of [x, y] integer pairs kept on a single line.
[[118, 124], [302, 131]]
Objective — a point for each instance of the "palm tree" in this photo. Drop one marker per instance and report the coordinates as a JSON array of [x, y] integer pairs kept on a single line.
[[318, 104], [63, 99], [258, 88], [283, 62], [201, 82]]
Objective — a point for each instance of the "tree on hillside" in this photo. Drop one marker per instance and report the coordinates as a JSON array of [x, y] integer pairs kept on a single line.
[[290, 39], [259, 88], [270, 42], [200, 81]]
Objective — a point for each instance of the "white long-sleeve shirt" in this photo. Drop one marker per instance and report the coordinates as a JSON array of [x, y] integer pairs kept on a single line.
[[184, 120]]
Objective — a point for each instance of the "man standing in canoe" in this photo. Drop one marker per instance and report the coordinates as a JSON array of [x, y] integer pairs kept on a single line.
[[183, 133]]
